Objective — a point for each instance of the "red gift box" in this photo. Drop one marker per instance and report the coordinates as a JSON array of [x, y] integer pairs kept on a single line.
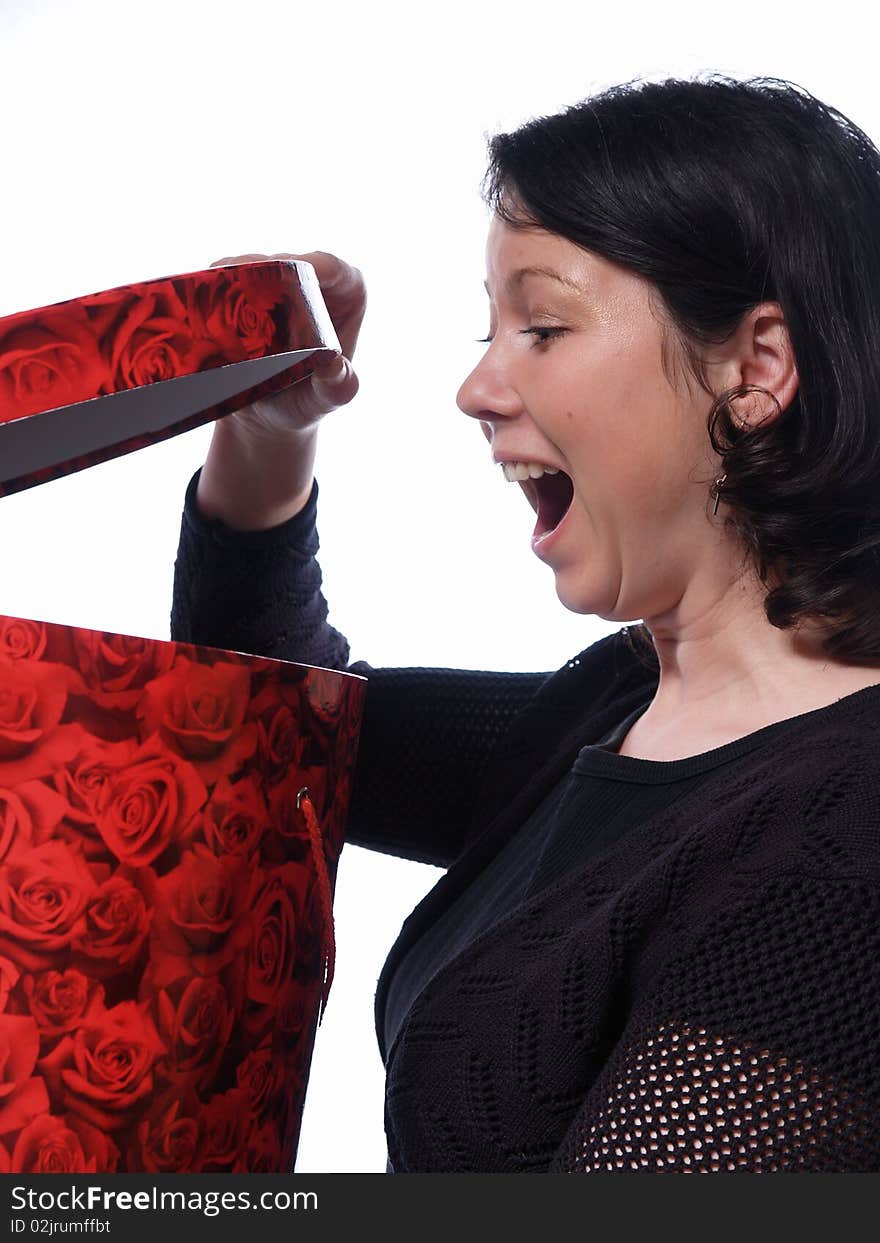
[[171, 816]]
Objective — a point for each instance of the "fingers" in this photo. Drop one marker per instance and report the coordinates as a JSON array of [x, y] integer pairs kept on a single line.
[[233, 259], [325, 390], [255, 258], [329, 269], [321, 260], [332, 272], [335, 384]]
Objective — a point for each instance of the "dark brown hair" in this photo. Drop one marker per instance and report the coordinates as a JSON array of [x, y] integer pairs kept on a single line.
[[724, 194]]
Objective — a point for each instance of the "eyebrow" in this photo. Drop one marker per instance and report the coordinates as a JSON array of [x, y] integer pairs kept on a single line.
[[516, 278]]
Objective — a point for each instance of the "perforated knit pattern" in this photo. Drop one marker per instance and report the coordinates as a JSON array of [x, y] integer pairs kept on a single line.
[[703, 996], [802, 1094], [693, 1103]]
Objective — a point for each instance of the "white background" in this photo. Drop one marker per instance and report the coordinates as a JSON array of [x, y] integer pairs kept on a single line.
[[140, 141]]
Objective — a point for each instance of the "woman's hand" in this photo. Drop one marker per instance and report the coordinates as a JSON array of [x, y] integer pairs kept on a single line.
[[302, 405], [260, 464]]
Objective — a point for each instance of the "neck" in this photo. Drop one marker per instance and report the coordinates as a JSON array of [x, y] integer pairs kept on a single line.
[[726, 659]]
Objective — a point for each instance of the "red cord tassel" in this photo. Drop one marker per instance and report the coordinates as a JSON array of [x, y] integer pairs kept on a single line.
[[328, 940]]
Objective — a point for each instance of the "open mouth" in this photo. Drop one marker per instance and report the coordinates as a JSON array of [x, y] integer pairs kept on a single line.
[[550, 496]]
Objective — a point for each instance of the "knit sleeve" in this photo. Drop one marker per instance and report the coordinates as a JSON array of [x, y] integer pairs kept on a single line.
[[253, 591], [756, 1050], [428, 733]]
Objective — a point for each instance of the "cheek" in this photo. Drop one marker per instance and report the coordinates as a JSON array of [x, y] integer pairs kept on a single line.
[[626, 465]]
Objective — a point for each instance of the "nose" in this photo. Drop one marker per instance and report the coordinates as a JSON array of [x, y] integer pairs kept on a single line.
[[487, 394]]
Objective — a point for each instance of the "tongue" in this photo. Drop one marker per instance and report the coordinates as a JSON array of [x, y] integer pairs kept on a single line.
[[554, 497]]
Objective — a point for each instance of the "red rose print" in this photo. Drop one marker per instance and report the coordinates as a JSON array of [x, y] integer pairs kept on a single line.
[[153, 341], [29, 816], [21, 639], [200, 922], [161, 933], [295, 1008], [9, 977], [169, 1138], [349, 730], [60, 1000], [15, 823], [236, 314], [81, 784], [22, 1094], [148, 804], [95, 303], [255, 327], [65, 1145], [44, 367], [105, 1069], [235, 817], [115, 926], [261, 1075], [199, 711], [281, 740], [224, 1119], [326, 696], [261, 1153], [273, 949], [43, 894], [287, 818], [116, 667], [334, 818], [195, 1020], [32, 699], [263, 287]]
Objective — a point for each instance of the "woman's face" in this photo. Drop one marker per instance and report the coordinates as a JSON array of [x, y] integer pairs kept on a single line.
[[573, 380]]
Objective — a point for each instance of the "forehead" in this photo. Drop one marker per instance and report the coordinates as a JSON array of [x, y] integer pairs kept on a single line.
[[519, 259], [507, 248], [618, 304]]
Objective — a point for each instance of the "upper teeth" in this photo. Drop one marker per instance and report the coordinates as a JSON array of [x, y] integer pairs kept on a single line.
[[514, 472]]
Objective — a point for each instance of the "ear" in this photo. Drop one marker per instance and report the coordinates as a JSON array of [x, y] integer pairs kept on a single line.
[[760, 354]]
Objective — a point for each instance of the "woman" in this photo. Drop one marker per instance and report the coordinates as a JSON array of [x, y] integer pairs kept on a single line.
[[656, 944]]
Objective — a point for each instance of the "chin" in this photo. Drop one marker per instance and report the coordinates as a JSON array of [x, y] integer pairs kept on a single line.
[[577, 597], [576, 601]]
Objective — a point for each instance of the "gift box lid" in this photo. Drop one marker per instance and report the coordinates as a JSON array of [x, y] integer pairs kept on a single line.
[[101, 375]]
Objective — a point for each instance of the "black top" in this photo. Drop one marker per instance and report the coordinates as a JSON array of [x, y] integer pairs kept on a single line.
[[603, 796], [629, 964]]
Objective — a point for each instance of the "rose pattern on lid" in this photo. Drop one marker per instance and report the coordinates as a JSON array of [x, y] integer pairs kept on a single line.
[[137, 335], [163, 931]]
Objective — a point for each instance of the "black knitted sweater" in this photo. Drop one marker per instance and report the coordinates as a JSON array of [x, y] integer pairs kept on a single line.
[[701, 993]]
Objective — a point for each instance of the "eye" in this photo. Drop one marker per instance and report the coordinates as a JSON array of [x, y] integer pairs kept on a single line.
[[543, 334]]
